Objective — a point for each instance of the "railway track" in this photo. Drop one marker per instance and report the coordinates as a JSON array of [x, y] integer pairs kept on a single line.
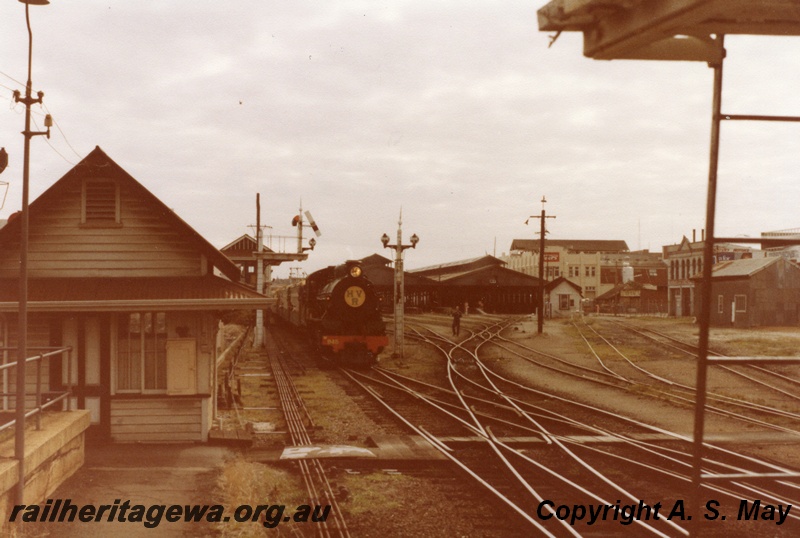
[[317, 486], [768, 416], [772, 380], [623, 373], [579, 450], [551, 460]]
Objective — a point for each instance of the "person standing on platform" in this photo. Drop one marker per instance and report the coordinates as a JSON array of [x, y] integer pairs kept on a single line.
[[456, 320]]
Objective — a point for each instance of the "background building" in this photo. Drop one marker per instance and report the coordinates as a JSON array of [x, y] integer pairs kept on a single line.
[[754, 292], [791, 253], [484, 283], [685, 260]]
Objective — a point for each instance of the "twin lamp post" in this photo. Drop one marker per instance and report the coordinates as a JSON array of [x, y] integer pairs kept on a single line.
[[399, 294]]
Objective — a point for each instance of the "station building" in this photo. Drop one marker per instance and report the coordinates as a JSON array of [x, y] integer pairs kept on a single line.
[[563, 298], [753, 292], [134, 290]]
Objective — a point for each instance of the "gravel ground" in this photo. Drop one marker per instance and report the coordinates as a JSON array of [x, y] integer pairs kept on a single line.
[[416, 502]]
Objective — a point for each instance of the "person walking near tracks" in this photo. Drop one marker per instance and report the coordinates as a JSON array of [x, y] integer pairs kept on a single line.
[[456, 320]]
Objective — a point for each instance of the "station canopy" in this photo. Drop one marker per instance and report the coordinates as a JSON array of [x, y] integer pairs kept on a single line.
[[666, 29]]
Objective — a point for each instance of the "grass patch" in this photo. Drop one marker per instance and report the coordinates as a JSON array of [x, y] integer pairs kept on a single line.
[[377, 492], [243, 482], [758, 345]]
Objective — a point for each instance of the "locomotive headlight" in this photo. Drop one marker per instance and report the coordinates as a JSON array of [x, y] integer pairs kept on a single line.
[[355, 271]]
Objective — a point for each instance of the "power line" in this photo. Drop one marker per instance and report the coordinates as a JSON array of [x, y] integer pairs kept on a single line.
[[12, 78], [53, 147], [62, 132], [7, 87]]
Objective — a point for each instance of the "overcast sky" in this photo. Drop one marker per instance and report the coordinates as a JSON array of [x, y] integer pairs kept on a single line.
[[456, 111]]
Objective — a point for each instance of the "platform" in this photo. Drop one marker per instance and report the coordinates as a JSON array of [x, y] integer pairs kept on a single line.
[[378, 448], [238, 438]]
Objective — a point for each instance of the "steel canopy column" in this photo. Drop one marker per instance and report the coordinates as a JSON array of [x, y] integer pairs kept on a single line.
[[704, 318]]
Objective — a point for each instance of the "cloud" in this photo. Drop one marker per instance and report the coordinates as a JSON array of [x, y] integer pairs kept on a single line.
[[456, 111]]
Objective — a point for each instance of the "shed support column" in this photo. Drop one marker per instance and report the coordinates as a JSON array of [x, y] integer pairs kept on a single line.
[[704, 317]]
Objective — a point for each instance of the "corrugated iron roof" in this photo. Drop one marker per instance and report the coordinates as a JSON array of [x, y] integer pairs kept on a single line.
[[742, 268], [113, 294], [575, 245], [460, 265]]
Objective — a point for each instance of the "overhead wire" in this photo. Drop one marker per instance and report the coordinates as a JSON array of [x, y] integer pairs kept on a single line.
[[6, 87], [12, 78], [40, 113], [55, 122], [53, 147]]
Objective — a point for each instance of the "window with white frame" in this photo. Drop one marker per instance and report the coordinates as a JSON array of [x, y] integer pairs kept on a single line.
[[142, 352], [720, 304], [740, 303]]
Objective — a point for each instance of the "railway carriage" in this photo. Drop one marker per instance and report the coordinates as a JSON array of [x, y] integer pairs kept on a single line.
[[339, 311], [287, 303]]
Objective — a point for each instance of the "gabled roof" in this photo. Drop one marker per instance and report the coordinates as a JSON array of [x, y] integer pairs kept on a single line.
[[459, 266], [741, 268], [561, 280], [97, 159], [81, 292], [243, 248], [632, 285], [489, 275], [574, 245], [382, 275], [375, 259], [243, 242]]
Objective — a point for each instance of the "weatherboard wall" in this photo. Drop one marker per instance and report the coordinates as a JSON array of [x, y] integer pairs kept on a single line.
[[141, 244]]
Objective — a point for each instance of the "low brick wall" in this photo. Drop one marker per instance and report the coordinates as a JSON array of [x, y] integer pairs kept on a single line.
[[52, 455]]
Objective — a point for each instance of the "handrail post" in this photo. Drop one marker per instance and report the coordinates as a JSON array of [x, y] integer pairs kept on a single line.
[[69, 379], [39, 391]]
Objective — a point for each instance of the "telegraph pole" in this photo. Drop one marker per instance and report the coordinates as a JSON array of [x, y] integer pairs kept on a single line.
[[258, 340], [22, 344], [542, 232]]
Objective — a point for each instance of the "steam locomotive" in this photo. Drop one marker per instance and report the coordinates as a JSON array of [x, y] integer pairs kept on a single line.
[[339, 312]]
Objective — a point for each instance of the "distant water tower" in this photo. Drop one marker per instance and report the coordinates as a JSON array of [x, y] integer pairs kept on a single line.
[[627, 273]]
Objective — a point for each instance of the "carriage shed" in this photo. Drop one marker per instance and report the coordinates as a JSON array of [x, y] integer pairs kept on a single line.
[[420, 293], [754, 292], [134, 290], [484, 281]]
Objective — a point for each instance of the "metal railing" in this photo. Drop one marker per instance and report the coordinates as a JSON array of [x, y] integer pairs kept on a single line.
[[42, 354]]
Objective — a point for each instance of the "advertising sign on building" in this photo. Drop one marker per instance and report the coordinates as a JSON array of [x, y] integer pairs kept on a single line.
[[550, 257]]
